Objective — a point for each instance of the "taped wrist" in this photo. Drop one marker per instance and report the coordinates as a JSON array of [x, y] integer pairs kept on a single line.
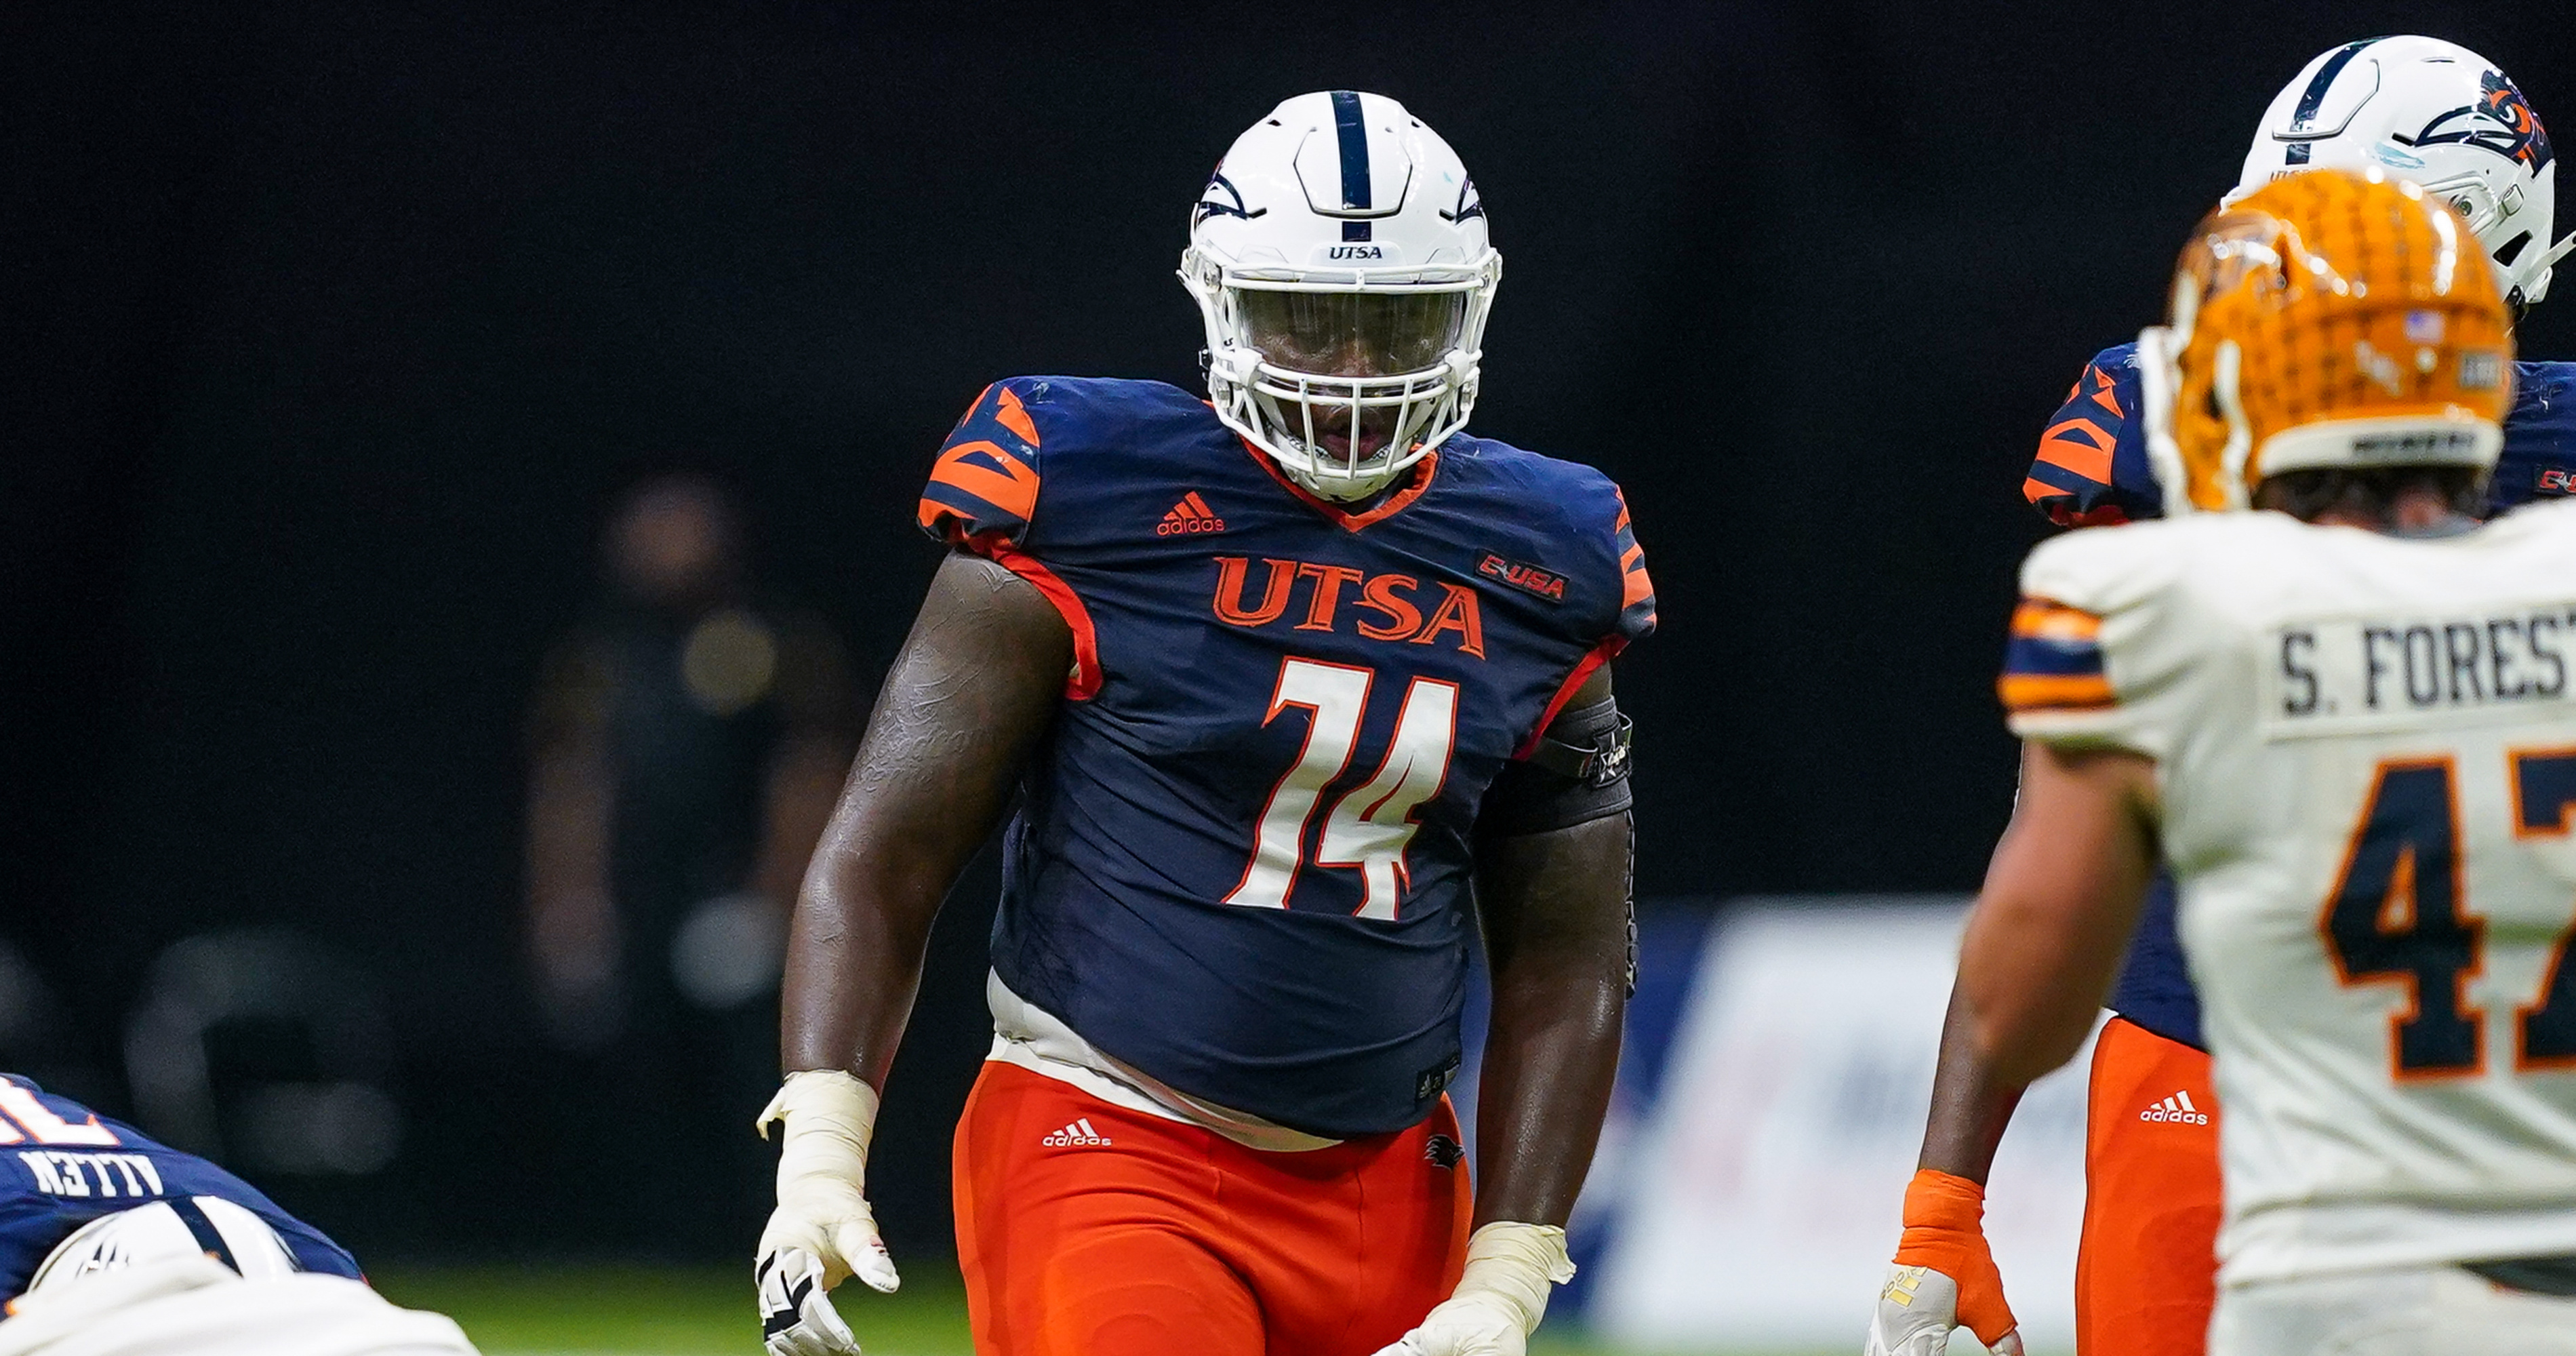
[[1945, 1230], [826, 1119], [1516, 1266], [1577, 773]]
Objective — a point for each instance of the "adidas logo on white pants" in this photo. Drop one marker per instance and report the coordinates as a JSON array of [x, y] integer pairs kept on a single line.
[[2176, 1109], [1078, 1135]]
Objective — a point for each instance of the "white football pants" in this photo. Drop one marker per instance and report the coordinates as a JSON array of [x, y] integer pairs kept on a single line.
[[2434, 1311], [191, 1306]]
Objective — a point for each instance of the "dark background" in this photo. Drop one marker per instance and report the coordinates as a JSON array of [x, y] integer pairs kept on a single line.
[[333, 328]]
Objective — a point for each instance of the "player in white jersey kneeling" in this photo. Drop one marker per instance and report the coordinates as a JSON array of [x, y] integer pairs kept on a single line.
[[2356, 751]]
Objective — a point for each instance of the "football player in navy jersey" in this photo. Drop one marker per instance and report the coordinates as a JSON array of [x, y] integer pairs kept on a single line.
[[2416, 108], [1295, 684], [64, 1170]]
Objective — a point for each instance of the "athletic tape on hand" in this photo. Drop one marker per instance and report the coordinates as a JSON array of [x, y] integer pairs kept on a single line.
[[1519, 1264], [828, 1118], [1502, 1294]]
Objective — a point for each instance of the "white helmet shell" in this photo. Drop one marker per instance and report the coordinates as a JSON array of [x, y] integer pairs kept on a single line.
[[2438, 114], [183, 1226], [1361, 216]]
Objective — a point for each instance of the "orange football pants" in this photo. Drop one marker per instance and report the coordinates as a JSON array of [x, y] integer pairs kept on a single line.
[[1146, 1237], [2147, 1274]]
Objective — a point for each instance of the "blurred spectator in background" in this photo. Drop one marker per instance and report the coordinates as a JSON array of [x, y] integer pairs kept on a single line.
[[686, 745]]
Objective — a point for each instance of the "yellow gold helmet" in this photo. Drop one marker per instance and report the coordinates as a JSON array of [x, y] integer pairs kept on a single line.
[[2328, 319]]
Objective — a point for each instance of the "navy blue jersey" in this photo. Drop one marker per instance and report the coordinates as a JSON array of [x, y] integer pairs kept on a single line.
[[2092, 471], [1241, 863], [62, 1166]]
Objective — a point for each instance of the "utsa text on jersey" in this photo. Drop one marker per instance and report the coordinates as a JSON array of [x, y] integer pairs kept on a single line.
[[1392, 597]]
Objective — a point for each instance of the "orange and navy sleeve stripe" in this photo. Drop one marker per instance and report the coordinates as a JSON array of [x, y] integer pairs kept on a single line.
[[2054, 660], [2091, 467], [1636, 589], [986, 479]]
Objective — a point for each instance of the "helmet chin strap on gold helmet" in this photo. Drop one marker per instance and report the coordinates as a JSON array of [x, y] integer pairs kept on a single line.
[[2159, 377], [2224, 384]]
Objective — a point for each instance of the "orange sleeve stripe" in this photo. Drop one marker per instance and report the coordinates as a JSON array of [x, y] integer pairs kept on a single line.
[[2040, 491], [2047, 619], [2055, 692], [2064, 444], [2106, 393], [1010, 414], [1639, 588], [985, 471]]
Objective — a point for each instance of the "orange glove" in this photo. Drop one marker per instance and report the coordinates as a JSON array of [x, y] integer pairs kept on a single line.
[[1945, 1231]]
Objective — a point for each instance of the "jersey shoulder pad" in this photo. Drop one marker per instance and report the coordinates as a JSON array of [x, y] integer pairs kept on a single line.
[[2539, 457], [1028, 440], [1577, 504], [2091, 469], [2107, 645]]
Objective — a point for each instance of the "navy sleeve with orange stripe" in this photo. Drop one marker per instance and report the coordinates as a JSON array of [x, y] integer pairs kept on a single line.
[[2092, 468], [2054, 660], [985, 484], [1637, 589]]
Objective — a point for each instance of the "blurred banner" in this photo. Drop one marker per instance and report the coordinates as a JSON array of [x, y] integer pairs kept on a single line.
[[1752, 1201]]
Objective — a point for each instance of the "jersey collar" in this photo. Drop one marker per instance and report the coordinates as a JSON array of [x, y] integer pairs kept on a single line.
[[1384, 509]]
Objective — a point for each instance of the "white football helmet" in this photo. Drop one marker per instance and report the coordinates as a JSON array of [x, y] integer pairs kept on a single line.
[[182, 1226], [1338, 256], [2438, 114]]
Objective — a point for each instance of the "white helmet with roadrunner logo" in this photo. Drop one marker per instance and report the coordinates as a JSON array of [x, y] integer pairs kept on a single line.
[[1339, 259], [2439, 115]]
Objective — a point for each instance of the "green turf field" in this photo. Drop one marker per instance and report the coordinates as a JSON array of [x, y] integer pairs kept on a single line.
[[647, 1311]]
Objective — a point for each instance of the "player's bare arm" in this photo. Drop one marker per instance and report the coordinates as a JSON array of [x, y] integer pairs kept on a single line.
[[2060, 900], [1555, 912], [976, 684], [1971, 1106]]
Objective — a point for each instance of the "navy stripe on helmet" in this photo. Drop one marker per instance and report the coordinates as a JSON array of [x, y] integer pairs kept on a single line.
[[2314, 96], [1354, 135], [209, 1238]]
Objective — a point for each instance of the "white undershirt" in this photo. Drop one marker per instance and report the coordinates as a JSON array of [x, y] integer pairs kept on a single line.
[[1034, 1039]]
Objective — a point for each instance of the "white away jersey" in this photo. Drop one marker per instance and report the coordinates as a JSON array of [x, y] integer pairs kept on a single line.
[[2366, 751]]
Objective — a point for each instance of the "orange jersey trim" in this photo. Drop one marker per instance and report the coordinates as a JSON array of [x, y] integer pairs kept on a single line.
[[1602, 653], [988, 472], [1387, 508], [2055, 692], [2061, 446], [2048, 619], [1083, 683]]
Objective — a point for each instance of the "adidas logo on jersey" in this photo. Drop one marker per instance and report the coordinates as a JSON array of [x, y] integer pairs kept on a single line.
[[2177, 1110], [1078, 1135], [1190, 517]]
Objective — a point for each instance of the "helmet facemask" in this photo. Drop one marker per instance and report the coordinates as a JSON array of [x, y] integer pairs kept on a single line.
[[1348, 380], [1341, 266]]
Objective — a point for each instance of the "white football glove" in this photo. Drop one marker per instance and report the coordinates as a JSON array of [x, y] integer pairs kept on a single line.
[[1917, 1309], [822, 1232], [1500, 1297]]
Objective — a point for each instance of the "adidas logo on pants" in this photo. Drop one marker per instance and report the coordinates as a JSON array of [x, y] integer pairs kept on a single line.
[[1078, 1135], [2177, 1109]]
